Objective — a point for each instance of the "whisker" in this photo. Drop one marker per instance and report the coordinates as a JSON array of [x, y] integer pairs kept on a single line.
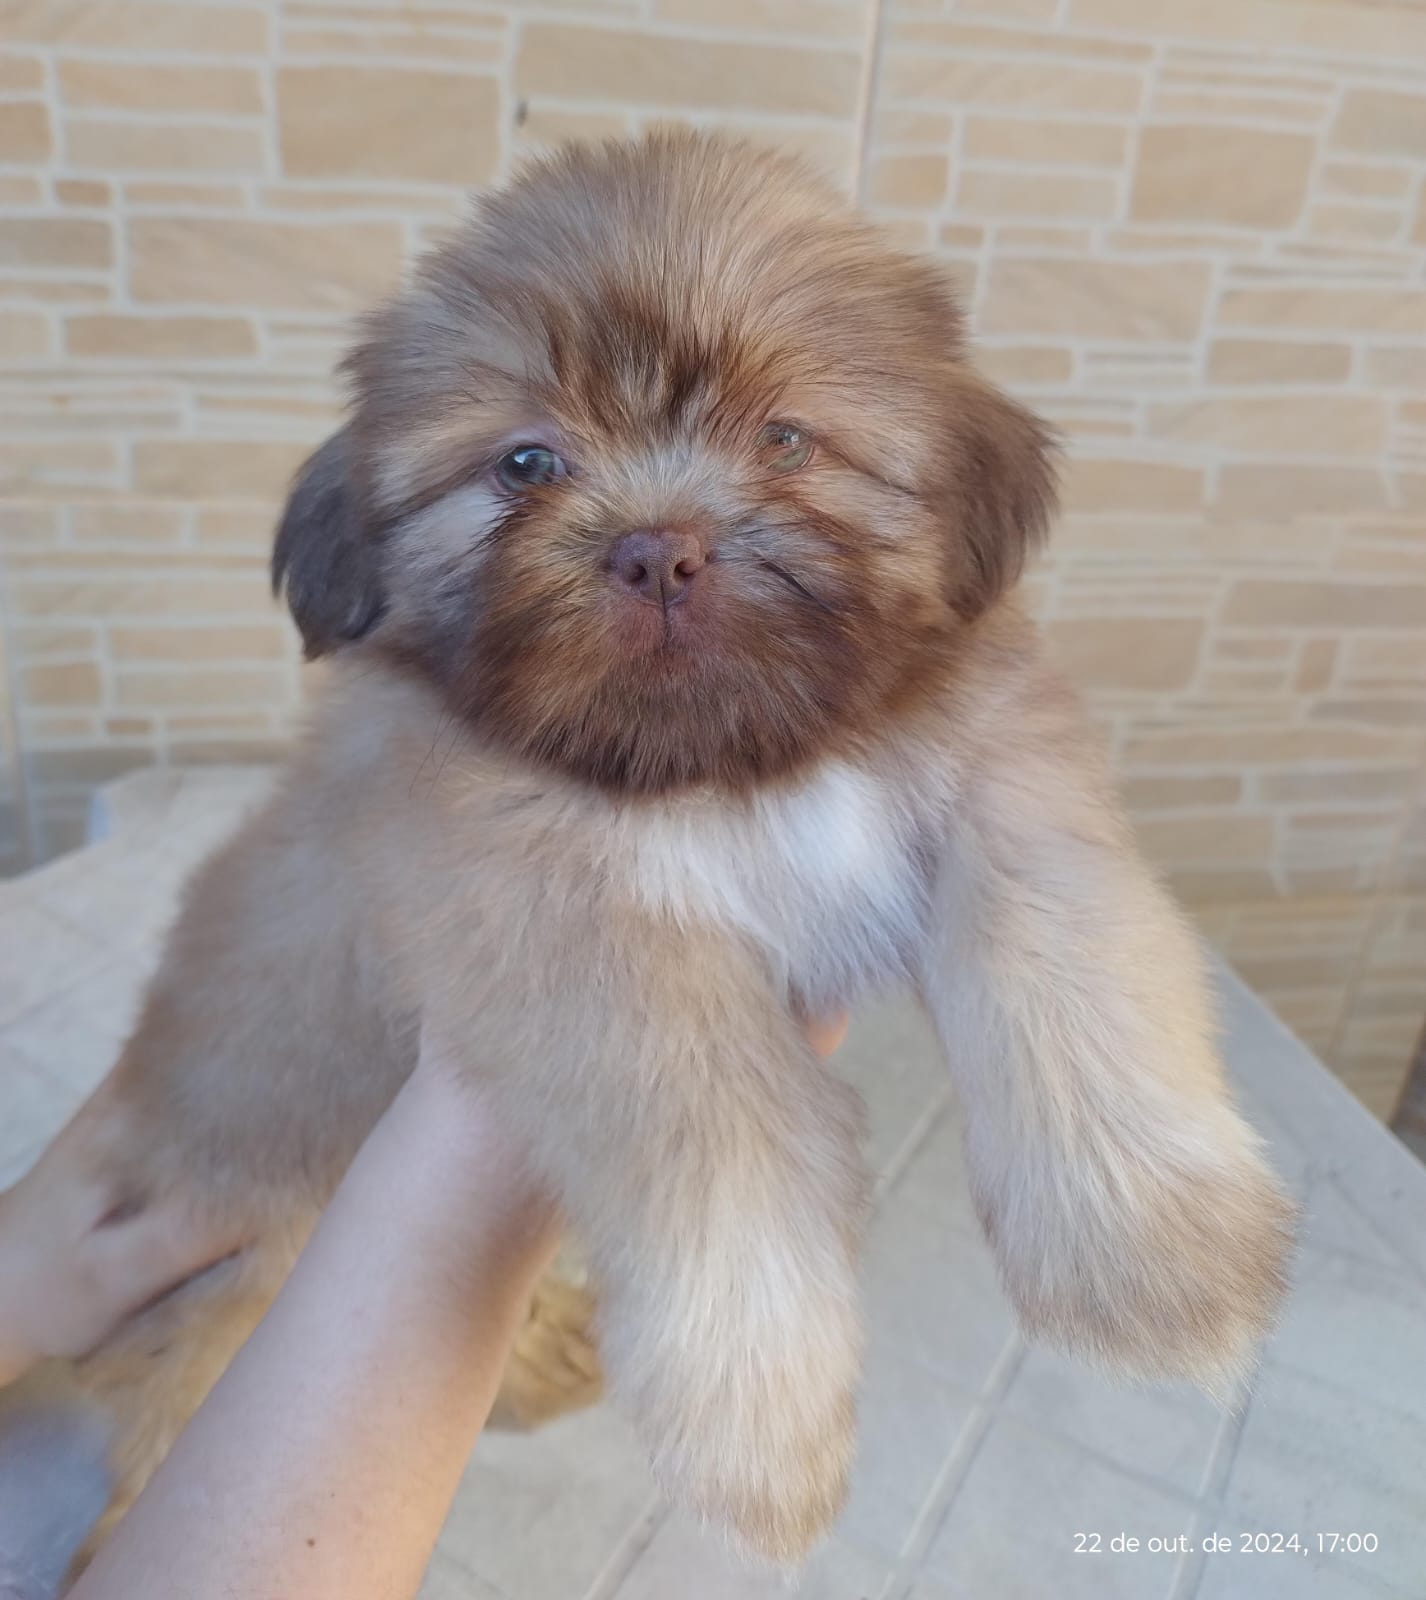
[[425, 760], [450, 751]]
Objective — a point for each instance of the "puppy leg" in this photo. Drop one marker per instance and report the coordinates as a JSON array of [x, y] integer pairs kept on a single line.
[[710, 1163], [731, 1327], [1130, 1210], [553, 1366]]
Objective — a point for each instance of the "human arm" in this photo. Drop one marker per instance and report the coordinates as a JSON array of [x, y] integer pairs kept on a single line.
[[324, 1462]]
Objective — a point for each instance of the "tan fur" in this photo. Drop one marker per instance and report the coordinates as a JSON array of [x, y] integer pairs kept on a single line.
[[554, 1364], [608, 858]]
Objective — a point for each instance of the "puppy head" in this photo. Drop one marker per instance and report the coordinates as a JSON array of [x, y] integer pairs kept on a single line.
[[667, 470]]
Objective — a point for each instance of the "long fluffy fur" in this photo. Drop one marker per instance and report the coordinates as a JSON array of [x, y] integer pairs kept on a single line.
[[611, 859]]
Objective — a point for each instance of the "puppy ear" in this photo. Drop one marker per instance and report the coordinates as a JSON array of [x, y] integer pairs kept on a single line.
[[324, 557], [1000, 489]]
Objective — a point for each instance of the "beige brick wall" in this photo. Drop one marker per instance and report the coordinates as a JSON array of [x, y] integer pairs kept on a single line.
[[1192, 232]]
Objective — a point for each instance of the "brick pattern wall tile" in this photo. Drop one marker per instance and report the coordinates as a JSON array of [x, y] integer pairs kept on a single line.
[[194, 201], [1194, 235], [1191, 232]]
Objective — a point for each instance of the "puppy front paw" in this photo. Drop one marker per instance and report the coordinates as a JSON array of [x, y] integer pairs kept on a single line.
[[1154, 1265], [765, 1449], [553, 1367], [748, 1404]]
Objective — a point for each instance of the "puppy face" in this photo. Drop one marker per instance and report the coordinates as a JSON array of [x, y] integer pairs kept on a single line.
[[667, 470]]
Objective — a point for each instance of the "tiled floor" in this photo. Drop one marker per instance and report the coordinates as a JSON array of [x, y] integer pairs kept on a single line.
[[983, 1464]]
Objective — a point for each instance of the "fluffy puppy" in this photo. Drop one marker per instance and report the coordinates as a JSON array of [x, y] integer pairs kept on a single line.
[[677, 694]]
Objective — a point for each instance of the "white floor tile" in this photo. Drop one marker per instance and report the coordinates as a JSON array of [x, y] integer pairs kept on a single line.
[[1164, 1432], [1332, 1223], [931, 1291], [538, 1515], [130, 905], [41, 956], [909, 1422], [892, 1058], [32, 1109], [1235, 1575], [1321, 1116], [446, 1579], [1334, 1440], [1014, 1526], [936, 1180], [76, 1037], [683, 1563], [1293, 1165], [1316, 1458], [1360, 1325]]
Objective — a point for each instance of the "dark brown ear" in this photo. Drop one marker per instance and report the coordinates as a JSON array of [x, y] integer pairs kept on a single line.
[[1000, 489], [324, 557]]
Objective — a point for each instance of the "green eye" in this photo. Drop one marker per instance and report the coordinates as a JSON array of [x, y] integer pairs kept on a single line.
[[784, 447], [528, 466]]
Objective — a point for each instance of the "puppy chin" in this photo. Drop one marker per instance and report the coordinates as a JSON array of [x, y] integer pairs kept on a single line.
[[663, 639], [715, 689], [665, 719]]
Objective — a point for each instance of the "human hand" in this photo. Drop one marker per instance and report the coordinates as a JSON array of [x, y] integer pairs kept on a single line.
[[73, 1265], [825, 1034], [70, 1277]]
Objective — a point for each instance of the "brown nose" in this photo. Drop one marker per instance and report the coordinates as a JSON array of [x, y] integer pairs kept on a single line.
[[656, 565]]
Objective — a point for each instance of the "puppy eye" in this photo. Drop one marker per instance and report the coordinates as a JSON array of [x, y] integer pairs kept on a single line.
[[528, 466], [784, 447]]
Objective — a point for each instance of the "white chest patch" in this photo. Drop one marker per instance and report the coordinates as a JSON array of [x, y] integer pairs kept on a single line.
[[819, 874]]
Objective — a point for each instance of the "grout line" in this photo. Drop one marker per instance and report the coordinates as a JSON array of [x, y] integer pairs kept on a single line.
[[513, 107], [867, 97], [955, 1469], [12, 749], [1188, 1574], [942, 1098], [626, 1552]]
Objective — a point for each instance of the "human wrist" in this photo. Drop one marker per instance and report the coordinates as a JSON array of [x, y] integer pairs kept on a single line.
[[467, 1190]]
